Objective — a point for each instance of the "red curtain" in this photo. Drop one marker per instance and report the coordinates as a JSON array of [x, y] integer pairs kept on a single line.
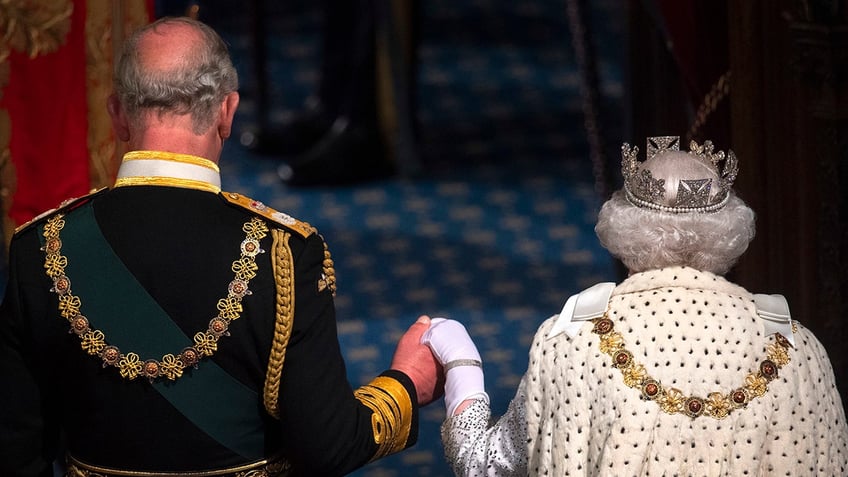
[[46, 99]]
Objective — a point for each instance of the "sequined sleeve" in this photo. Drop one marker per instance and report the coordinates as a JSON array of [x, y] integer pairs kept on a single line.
[[473, 447]]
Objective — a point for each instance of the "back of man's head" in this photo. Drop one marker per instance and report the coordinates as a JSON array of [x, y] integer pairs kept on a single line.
[[175, 66]]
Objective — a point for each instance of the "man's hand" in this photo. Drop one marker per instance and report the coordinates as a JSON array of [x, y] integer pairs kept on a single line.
[[417, 361]]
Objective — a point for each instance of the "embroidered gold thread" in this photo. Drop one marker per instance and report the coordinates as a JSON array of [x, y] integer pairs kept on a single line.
[[171, 366], [391, 417], [284, 272], [671, 400], [172, 157], [166, 181]]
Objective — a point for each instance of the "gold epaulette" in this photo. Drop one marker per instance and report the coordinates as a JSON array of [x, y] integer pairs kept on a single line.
[[301, 228], [66, 205]]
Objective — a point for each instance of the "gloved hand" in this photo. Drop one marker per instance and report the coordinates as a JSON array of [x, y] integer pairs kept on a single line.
[[455, 350]]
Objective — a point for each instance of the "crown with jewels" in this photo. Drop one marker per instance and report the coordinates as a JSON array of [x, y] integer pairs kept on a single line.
[[693, 195]]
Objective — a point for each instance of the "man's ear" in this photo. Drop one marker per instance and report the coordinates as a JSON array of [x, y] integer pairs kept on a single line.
[[120, 123], [227, 113]]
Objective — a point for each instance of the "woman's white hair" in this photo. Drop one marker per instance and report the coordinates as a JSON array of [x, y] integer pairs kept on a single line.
[[646, 239]]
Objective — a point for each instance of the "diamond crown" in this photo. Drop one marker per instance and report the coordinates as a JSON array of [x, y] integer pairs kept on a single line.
[[693, 194]]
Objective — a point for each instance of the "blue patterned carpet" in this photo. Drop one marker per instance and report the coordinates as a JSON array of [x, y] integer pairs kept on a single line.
[[496, 233]]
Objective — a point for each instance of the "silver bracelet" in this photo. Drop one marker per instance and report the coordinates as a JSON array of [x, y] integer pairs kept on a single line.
[[462, 362]]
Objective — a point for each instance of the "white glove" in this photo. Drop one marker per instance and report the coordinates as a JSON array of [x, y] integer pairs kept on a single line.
[[455, 350]]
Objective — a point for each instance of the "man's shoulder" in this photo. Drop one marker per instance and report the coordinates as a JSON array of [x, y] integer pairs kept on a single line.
[[277, 218], [64, 207], [299, 228]]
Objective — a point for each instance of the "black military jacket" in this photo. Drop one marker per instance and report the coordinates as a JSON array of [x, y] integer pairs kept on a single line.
[[180, 244]]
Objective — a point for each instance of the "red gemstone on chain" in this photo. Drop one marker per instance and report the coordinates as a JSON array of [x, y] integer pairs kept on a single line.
[[694, 407], [53, 245], [189, 357], [603, 326], [79, 325], [238, 288], [768, 369], [61, 285], [110, 355], [151, 368], [622, 358], [250, 247], [218, 326], [651, 389]]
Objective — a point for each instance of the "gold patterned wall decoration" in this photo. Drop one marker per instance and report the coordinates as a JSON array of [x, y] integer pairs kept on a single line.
[[34, 27], [107, 23]]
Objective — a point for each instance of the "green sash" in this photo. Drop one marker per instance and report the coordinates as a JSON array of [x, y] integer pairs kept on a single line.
[[118, 305]]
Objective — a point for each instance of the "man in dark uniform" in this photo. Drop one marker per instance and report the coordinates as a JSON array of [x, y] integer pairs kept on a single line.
[[165, 327]]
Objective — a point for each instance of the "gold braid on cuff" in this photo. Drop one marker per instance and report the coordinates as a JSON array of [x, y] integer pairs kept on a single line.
[[392, 414]]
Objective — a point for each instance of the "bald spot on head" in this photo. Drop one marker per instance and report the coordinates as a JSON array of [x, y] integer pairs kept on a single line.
[[168, 46]]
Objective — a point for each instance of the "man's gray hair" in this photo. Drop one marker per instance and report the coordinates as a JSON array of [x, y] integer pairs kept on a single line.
[[196, 87]]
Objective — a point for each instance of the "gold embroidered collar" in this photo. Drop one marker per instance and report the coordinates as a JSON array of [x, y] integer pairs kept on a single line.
[[171, 169]]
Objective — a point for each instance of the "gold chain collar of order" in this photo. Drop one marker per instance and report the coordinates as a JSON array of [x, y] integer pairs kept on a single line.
[[671, 400], [171, 365]]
